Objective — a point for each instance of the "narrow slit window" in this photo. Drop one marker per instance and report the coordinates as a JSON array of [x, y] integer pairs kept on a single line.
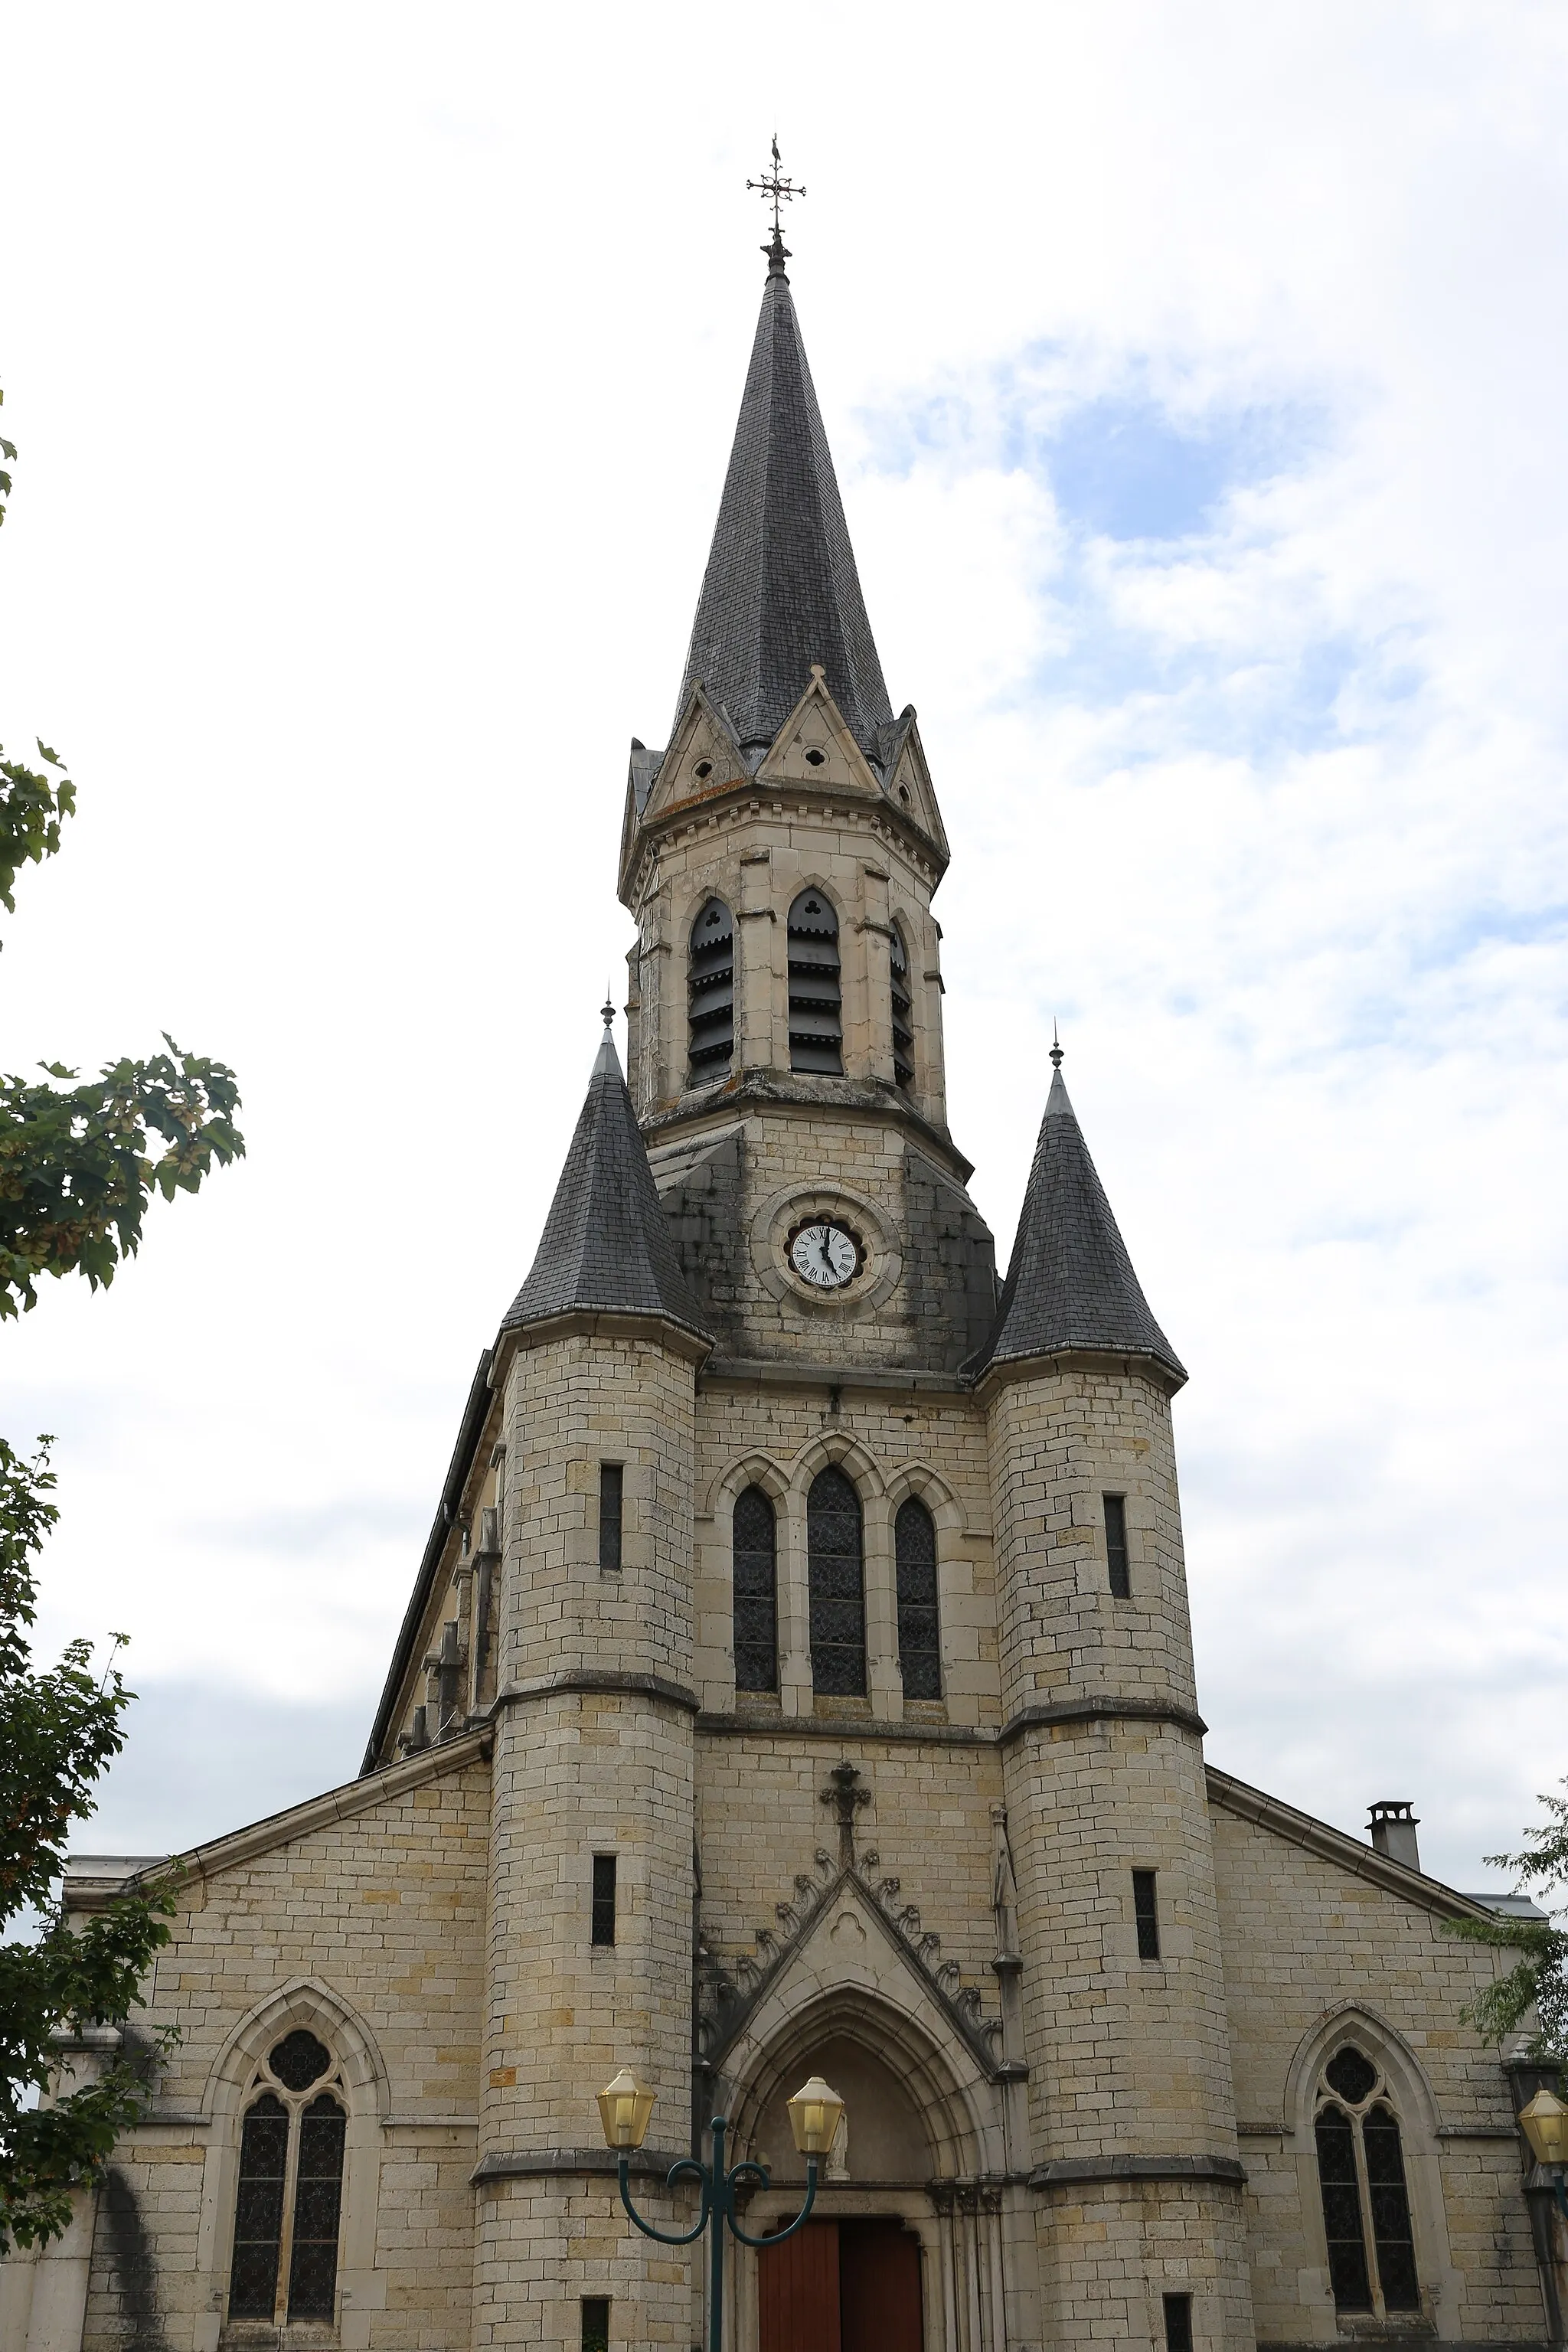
[[816, 1001], [612, 1477], [903, 1011], [1178, 2323], [919, 1637], [595, 2323], [755, 1569], [711, 995], [1116, 1547], [602, 1927], [1146, 1912], [838, 1588]]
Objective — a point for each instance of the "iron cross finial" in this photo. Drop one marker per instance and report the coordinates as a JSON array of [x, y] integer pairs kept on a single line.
[[776, 189]]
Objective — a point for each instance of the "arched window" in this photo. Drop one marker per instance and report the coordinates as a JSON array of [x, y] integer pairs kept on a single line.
[[1361, 2171], [815, 1026], [903, 1010], [919, 1641], [711, 993], [755, 1541], [285, 2264], [833, 1546]]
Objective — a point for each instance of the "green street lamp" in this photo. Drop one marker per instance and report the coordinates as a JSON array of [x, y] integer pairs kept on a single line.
[[625, 2106], [1545, 2122]]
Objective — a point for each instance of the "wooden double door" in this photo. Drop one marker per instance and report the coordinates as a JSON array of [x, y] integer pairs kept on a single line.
[[841, 2287]]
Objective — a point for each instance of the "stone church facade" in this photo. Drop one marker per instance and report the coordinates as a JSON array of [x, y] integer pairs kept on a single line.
[[798, 1679]]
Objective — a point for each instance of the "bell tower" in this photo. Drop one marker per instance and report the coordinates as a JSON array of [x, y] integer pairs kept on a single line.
[[780, 857]]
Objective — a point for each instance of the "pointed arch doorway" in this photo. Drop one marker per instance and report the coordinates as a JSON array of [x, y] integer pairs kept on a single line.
[[841, 2287], [850, 2281]]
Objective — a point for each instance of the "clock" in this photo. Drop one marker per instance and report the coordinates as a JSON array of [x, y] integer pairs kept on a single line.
[[824, 1255]]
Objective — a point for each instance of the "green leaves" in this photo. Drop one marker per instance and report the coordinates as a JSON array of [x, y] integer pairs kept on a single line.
[[79, 1163], [1537, 1981], [31, 807]]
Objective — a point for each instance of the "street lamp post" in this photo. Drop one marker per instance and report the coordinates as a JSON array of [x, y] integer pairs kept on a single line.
[[1545, 2123], [625, 2106]]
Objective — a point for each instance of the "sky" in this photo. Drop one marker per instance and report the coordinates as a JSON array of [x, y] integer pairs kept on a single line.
[[1194, 381]]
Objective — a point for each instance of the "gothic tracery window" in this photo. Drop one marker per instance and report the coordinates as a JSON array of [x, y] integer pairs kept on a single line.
[[711, 993], [754, 1569], [903, 1011], [1360, 2172], [834, 1556], [816, 1006], [919, 1640], [289, 2201]]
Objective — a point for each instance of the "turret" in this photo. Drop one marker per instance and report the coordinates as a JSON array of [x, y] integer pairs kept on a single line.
[[591, 1861], [1103, 1764]]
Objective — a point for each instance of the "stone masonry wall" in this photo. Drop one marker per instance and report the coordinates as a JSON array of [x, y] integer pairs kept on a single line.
[[383, 1912], [1313, 1953]]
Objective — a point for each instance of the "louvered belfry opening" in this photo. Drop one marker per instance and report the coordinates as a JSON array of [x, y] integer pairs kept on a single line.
[[711, 993], [903, 1010], [816, 1001]]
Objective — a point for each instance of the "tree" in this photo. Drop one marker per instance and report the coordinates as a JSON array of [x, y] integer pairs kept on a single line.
[[1538, 1981], [79, 1166]]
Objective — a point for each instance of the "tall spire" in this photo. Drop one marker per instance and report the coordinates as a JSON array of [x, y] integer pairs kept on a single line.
[[606, 1246], [780, 590], [1071, 1284]]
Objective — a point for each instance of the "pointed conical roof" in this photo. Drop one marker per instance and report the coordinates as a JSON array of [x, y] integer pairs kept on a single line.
[[606, 1247], [1071, 1283], [781, 590]]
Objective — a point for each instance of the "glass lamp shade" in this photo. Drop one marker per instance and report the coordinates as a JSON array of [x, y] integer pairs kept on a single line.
[[624, 2110], [813, 2114], [1545, 2122]]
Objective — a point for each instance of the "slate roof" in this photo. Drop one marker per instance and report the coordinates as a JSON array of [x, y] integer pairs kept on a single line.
[[781, 590], [1071, 1283], [605, 1245]]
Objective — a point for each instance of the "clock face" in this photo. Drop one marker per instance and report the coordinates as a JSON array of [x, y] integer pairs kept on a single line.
[[824, 1256]]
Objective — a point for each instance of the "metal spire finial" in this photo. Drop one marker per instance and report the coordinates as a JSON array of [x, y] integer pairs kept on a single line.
[[776, 189], [1057, 1049], [607, 1010]]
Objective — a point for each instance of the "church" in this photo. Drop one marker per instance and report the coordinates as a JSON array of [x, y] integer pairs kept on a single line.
[[798, 1682]]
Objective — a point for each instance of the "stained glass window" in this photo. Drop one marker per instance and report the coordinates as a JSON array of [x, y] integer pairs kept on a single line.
[[919, 1641], [259, 2209], [318, 2197], [1366, 2203], [833, 1543], [754, 1556], [289, 2198]]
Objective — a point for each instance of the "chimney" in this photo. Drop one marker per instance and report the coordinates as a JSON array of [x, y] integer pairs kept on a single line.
[[1393, 1823]]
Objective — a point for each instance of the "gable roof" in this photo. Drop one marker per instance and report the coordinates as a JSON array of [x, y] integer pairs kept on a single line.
[[606, 1246], [781, 590], [1071, 1283]]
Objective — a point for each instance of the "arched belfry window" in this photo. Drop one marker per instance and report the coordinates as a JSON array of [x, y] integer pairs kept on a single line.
[[903, 1010], [1360, 2172], [711, 993], [289, 2201], [919, 1640], [754, 1565], [816, 1001], [835, 1550]]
